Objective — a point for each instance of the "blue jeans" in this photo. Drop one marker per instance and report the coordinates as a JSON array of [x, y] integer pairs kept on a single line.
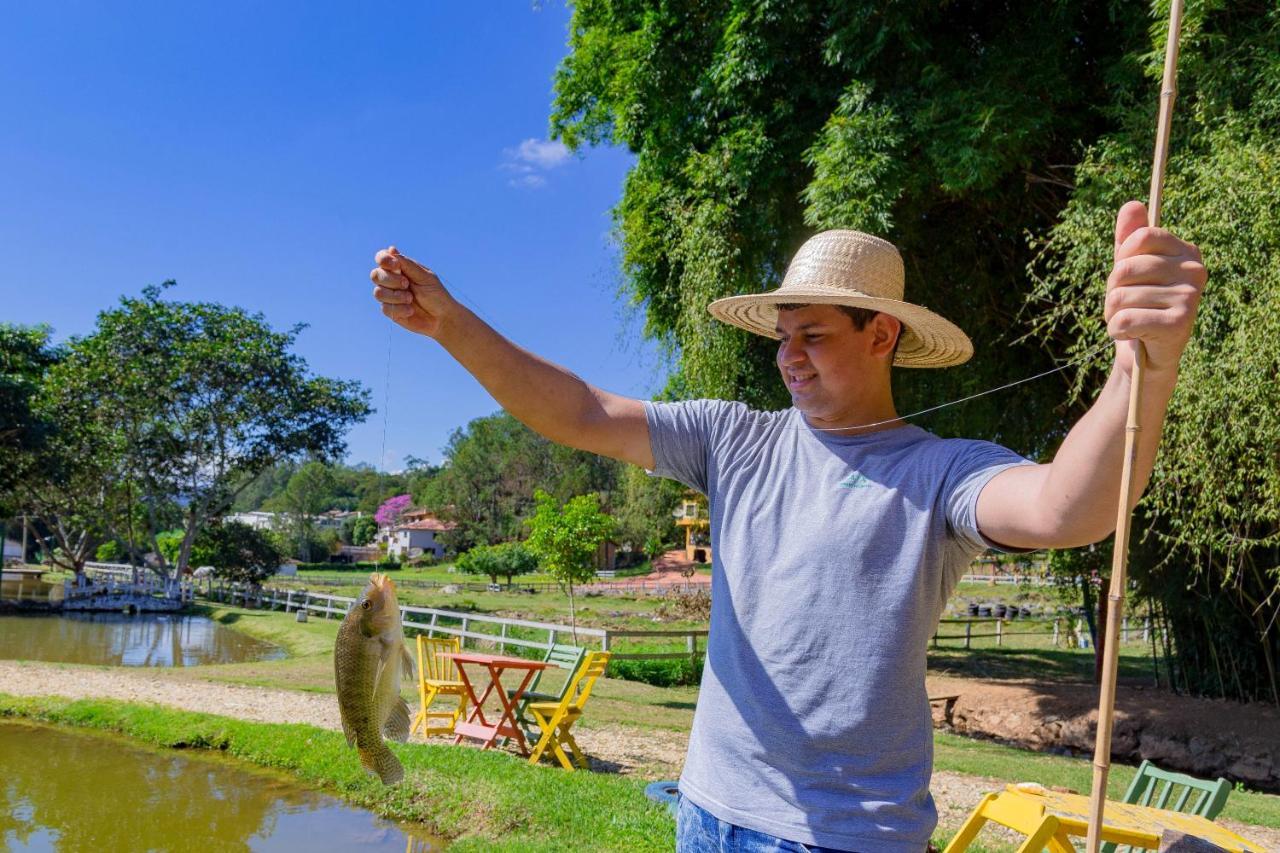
[[699, 831]]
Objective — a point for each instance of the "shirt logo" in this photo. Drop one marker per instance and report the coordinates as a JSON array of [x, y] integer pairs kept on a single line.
[[855, 481]]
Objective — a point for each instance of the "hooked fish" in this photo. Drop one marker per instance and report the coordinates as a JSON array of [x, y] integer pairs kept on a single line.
[[367, 662]]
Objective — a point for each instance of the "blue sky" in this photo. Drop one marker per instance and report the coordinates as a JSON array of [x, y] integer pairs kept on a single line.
[[259, 153]]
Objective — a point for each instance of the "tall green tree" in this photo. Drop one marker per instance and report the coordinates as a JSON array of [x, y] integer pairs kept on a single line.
[[993, 145], [1210, 554], [492, 468], [950, 129], [26, 354], [308, 493], [565, 540], [200, 398]]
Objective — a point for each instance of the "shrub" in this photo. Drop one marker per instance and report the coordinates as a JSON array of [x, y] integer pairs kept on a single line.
[[387, 566], [666, 672], [237, 552], [110, 551]]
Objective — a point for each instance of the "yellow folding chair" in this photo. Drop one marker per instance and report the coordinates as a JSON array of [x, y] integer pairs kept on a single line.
[[555, 719], [438, 676]]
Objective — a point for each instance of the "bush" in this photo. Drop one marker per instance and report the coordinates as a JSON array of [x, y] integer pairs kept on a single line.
[[388, 566], [109, 552], [238, 552], [666, 672], [506, 559]]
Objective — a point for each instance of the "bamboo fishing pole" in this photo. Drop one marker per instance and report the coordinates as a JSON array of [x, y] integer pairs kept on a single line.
[[1124, 515]]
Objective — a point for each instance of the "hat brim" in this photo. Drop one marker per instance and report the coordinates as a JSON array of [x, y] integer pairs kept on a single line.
[[928, 340]]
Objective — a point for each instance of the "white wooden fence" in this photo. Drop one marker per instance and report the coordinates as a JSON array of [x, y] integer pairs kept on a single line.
[[434, 621]]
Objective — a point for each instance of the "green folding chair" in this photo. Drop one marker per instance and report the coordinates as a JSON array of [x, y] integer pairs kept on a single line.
[[565, 657], [1177, 792]]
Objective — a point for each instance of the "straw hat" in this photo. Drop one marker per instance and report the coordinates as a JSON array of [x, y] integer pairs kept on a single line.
[[856, 269]]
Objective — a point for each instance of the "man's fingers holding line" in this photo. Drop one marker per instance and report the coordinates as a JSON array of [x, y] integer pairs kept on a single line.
[[394, 297], [392, 280]]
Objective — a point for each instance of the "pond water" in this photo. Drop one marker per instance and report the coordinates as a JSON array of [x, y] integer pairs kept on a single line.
[[146, 639], [68, 790]]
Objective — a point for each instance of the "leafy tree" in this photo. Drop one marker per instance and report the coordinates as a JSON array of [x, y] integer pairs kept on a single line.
[[389, 513], [169, 544], [993, 144], [1207, 541], [238, 552], [565, 540], [643, 509], [949, 129], [493, 466], [26, 354], [110, 551], [308, 493], [198, 399], [364, 530], [506, 559]]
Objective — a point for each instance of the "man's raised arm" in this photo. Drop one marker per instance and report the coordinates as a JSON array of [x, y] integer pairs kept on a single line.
[[1152, 295], [545, 397]]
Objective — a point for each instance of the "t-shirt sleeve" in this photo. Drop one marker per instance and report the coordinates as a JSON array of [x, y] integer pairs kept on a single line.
[[681, 436], [973, 468]]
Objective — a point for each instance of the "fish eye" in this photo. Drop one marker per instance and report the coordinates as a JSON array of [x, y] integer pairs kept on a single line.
[[366, 604]]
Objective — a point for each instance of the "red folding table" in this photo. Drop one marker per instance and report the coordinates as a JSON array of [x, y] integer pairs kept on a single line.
[[476, 725]]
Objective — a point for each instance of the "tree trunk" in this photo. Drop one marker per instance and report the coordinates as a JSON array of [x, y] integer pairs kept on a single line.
[[573, 616], [1100, 634]]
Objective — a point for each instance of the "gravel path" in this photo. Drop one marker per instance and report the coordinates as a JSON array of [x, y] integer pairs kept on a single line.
[[649, 754]]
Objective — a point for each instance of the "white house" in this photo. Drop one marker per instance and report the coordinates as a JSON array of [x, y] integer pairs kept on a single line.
[[414, 535], [256, 519], [261, 520], [12, 550]]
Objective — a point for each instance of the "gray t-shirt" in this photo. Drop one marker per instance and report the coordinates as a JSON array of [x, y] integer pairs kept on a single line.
[[832, 559]]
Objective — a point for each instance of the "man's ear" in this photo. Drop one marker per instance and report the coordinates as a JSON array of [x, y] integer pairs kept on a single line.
[[884, 337]]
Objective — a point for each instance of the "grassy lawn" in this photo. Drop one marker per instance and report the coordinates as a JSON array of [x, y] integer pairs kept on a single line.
[[477, 800]]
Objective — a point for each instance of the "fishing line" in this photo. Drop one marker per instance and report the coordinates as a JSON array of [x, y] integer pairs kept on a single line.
[[1076, 361], [1088, 355], [386, 403]]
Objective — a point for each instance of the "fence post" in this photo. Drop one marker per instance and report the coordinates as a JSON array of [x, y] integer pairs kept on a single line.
[[999, 632], [288, 600], [462, 641], [968, 633], [1146, 628], [502, 646], [1055, 633], [692, 643], [1124, 629], [604, 641], [551, 638], [431, 631]]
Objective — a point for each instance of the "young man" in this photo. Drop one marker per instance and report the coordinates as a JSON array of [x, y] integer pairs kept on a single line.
[[838, 530]]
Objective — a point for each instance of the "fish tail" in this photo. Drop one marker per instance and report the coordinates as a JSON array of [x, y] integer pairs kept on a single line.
[[383, 763]]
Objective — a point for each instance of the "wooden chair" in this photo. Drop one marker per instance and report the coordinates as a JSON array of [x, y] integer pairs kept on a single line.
[[438, 676], [555, 719], [1163, 789], [565, 657]]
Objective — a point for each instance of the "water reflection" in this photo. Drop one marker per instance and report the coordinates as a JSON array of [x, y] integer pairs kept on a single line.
[[147, 639], [68, 790], [27, 589]]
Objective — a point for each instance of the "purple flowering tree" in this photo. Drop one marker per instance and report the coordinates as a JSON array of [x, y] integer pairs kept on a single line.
[[391, 510]]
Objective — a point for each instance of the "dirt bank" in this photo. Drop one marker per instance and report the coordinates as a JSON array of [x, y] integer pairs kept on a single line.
[[1205, 737]]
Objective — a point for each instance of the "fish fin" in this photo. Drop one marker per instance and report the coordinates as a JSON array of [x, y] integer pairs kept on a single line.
[[406, 661], [382, 762], [397, 725]]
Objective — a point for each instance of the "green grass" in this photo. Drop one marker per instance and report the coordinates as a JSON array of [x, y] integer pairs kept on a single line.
[[637, 705], [477, 800]]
